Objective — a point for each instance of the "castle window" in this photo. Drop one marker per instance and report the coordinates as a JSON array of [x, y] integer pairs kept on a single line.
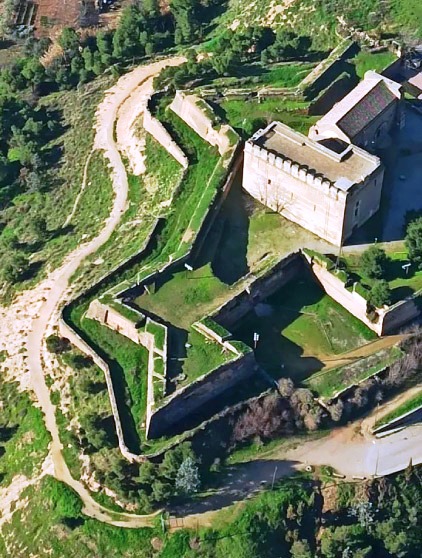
[[357, 208]]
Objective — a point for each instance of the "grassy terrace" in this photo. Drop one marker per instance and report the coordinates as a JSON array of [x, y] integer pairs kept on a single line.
[[401, 284], [377, 61], [410, 405], [248, 116], [149, 198], [128, 364], [300, 327], [329, 382], [259, 75]]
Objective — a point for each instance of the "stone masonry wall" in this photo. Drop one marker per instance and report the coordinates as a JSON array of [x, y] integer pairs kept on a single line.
[[160, 134], [235, 309], [193, 110], [186, 400], [390, 318], [75, 339], [297, 193]]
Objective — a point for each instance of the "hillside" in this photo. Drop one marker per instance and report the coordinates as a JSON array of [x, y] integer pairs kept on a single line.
[[320, 18]]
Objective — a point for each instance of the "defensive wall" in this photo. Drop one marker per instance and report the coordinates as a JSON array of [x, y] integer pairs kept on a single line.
[[198, 114], [236, 308], [153, 126], [69, 333], [125, 319], [384, 320]]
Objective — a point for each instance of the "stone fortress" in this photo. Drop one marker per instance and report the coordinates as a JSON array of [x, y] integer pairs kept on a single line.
[[328, 182]]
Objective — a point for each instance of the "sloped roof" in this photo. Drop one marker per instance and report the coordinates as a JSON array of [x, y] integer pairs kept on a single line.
[[367, 109], [357, 109]]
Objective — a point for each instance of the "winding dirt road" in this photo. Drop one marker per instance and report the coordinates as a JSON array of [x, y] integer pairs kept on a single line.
[[42, 304]]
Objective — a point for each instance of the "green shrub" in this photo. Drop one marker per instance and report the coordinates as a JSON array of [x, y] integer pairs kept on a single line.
[[373, 262], [380, 294], [414, 241]]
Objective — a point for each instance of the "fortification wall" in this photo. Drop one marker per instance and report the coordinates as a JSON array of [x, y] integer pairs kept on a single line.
[[160, 134], [75, 339], [401, 313], [185, 401], [296, 192], [389, 318], [235, 309], [197, 114], [114, 320]]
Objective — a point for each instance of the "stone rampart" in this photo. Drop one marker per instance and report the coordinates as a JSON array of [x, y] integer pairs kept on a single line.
[[198, 114], [75, 339], [389, 318], [160, 134], [192, 397], [282, 273]]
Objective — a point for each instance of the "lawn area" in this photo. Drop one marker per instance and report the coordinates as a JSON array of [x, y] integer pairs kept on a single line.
[[401, 283], [247, 116], [327, 383], [410, 405], [258, 75], [299, 326], [202, 356], [186, 297], [377, 61]]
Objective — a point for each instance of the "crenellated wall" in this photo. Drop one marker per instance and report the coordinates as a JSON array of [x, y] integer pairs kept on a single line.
[[296, 192]]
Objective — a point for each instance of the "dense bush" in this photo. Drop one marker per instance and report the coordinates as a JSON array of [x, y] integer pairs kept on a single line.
[[373, 262], [414, 242], [380, 294]]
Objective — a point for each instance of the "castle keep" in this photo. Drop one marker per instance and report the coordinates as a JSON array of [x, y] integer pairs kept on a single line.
[[327, 182], [328, 187]]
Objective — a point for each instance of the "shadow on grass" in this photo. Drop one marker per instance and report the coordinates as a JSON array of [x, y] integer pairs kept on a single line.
[[227, 242], [239, 483], [277, 354]]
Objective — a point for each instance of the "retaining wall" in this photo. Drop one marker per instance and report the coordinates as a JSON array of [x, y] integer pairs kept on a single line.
[[75, 339], [160, 134], [282, 273]]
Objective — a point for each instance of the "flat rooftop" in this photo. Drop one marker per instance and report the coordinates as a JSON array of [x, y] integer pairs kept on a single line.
[[343, 164]]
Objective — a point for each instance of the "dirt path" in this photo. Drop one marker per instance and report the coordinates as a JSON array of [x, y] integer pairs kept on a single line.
[[26, 321], [361, 352]]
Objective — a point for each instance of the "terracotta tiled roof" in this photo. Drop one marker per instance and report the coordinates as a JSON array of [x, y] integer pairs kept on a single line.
[[366, 110]]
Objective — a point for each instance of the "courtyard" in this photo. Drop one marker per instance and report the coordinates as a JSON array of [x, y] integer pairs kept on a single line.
[[300, 328]]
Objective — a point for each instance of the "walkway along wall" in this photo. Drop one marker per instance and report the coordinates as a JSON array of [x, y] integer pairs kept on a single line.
[[388, 318], [199, 116]]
